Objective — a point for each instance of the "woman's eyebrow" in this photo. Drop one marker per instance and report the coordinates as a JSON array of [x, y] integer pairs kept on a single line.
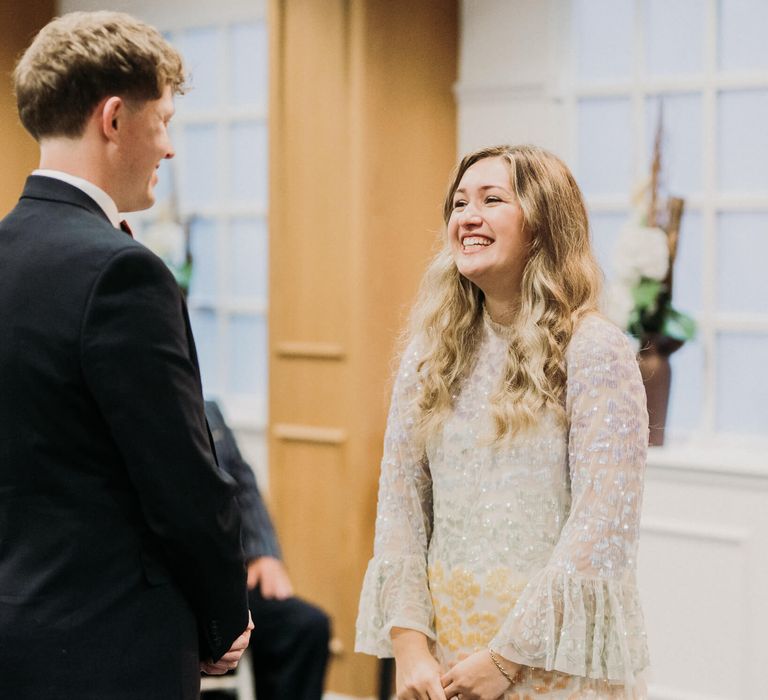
[[482, 187]]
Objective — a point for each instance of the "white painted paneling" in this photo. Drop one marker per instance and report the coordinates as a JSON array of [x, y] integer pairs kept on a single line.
[[685, 567], [504, 39], [492, 120], [703, 570], [508, 74]]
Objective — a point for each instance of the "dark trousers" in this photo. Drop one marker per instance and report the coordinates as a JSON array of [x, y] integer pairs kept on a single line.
[[289, 648]]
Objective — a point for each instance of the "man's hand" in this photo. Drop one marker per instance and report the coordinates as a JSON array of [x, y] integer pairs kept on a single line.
[[270, 575], [477, 678], [229, 661]]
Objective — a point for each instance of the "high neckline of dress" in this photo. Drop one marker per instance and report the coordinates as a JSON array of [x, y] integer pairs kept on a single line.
[[499, 329]]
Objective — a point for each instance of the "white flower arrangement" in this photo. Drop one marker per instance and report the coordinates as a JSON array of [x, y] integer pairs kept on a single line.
[[641, 251], [638, 300]]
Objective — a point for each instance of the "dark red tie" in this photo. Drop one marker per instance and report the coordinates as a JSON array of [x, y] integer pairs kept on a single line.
[[126, 228]]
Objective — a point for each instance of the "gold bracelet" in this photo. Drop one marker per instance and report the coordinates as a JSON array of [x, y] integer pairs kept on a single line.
[[502, 670]]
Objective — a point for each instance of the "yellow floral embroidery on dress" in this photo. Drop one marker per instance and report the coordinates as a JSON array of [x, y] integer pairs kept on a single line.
[[463, 588], [448, 627], [436, 575], [500, 584], [458, 622], [484, 625]]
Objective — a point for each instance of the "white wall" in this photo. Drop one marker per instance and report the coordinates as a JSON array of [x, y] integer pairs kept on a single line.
[[510, 55], [703, 572]]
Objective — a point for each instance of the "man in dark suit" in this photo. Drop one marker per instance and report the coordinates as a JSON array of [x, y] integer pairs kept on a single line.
[[291, 652], [121, 570]]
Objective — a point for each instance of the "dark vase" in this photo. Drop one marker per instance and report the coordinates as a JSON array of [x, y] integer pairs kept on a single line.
[[655, 369]]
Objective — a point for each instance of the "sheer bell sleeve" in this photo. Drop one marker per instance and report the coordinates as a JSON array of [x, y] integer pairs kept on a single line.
[[395, 591], [581, 613]]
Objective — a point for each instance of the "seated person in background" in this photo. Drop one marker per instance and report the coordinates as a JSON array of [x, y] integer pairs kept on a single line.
[[290, 651]]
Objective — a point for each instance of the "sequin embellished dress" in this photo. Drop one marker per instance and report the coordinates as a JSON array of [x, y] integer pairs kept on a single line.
[[528, 548]]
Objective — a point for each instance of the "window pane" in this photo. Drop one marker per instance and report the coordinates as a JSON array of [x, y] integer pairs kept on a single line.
[[682, 141], [165, 174], [686, 391], [249, 52], [605, 230], [249, 163], [742, 246], [604, 39], [742, 140], [742, 383], [204, 283], [675, 36], [605, 146], [200, 182], [688, 272], [201, 50], [742, 25], [205, 331], [249, 258], [248, 355]]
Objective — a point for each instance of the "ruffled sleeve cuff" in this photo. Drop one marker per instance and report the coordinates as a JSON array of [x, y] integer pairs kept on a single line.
[[581, 626], [395, 594]]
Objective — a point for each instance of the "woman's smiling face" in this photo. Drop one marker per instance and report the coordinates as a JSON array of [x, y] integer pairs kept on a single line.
[[485, 230]]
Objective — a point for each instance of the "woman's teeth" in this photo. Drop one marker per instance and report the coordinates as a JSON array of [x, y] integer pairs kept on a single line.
[[476, 240]]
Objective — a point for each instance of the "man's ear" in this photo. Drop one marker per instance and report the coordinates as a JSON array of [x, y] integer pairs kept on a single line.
[[111, 111]]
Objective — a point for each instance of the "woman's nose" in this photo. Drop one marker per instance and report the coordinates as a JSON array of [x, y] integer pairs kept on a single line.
[[469, 216]]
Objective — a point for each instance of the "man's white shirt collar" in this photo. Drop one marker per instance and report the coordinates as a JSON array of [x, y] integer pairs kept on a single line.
[[101, 198]]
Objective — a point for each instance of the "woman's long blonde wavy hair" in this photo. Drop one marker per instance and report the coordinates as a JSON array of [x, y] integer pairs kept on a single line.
[[561, 282]]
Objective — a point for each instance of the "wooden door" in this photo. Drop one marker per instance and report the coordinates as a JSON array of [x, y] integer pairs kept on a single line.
[[362, 138], [19, 22]]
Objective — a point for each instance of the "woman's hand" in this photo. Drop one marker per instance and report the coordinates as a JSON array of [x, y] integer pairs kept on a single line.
[[417, 675], [477, 678]]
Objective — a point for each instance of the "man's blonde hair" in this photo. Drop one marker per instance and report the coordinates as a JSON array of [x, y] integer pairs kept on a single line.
[[79, 59]]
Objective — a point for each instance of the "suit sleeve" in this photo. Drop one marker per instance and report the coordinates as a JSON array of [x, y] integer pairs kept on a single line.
[[140, 366], [258, 533]]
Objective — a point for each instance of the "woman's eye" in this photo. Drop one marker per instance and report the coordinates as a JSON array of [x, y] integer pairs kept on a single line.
[[492, 198], [459, 203]]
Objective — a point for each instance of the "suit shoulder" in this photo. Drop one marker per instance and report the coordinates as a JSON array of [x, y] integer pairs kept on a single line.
[[94, 235], [131, 264], [62, 234]]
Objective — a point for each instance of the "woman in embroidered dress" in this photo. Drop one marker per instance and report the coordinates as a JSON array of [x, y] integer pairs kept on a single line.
[[511, 482]]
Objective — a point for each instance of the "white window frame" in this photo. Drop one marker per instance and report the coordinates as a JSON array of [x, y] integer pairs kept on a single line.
[[245, 411], [709, 203]]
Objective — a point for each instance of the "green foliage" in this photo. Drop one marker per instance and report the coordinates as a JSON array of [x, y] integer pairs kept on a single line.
[[646, 295], [183, 274], [678, 325], [653, 313]]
